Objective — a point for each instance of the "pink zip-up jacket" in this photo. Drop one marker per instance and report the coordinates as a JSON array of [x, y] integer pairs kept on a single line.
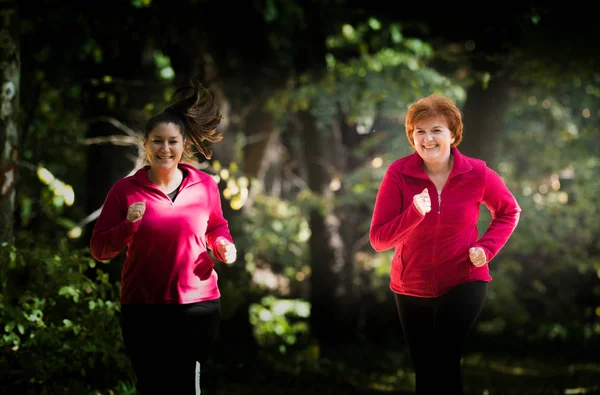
[[431, 252], [167, 261]]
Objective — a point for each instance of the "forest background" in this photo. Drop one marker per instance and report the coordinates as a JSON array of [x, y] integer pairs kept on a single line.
[[314, 95]]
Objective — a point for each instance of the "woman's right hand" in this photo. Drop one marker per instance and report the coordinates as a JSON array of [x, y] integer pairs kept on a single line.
[[422, 202], [135, 212]]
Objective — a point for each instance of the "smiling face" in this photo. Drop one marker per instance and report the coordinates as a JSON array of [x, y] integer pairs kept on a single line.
[[433, 140], [164, 146]]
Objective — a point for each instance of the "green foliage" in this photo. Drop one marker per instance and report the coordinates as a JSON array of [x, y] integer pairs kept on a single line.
[[60, 320], [280, 323], [275, 235], [163, 65], [388, 72], [53, 157], [283, 17], [141, 3], [546, 283]]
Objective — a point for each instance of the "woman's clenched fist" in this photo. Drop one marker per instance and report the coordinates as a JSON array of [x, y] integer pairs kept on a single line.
[[422, 202], [135, 212], [477, 256], [227, 250]]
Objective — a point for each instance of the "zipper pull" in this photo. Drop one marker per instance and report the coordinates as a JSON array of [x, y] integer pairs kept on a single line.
[[439, 201]]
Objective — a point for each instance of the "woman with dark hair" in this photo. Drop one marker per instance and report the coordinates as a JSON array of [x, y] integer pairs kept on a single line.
[[427, 210], [169, 214]]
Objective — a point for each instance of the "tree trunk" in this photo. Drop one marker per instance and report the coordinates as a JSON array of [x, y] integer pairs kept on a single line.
[[484, 115], [328, 258], [263, 136], [10, 66]]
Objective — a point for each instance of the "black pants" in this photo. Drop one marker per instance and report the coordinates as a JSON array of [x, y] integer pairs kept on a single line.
[[166, 342], [435, 330]]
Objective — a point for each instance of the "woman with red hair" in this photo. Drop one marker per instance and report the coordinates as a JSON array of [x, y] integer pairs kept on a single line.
[[427, 209]]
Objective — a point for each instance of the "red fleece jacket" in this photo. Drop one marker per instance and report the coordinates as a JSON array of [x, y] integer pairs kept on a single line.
[[166, 259], [431, 252]]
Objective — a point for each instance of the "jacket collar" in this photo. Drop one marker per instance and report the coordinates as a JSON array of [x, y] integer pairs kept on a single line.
[[192, 176], [414, 165]]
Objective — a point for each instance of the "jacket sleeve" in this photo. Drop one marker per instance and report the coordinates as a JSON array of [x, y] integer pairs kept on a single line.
[[112, 231], [505, 212], [389, 227], [217, 225]]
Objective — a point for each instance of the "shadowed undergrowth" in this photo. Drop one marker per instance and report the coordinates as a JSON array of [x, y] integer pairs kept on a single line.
[[371, 373]]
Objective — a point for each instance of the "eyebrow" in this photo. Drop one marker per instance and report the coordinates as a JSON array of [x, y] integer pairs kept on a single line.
[[436, 126]]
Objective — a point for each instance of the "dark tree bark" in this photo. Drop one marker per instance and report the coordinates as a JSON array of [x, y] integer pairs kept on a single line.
[[328, 256], [263, 135], [10, 67], [484, 114]]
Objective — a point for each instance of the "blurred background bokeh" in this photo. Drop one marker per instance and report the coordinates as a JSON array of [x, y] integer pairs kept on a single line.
[[314, 95]]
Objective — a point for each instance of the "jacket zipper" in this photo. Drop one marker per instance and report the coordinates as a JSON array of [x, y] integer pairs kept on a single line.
[[437, 230]]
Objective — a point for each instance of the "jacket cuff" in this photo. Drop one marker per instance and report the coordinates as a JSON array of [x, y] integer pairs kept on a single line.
[[132, 227], [416, 212]]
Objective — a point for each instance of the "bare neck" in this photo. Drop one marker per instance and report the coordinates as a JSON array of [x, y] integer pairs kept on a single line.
[[165, 178], [442, 168]]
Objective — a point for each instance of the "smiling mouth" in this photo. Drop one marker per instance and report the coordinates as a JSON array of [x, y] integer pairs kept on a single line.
[[164, 157], [431, 147]]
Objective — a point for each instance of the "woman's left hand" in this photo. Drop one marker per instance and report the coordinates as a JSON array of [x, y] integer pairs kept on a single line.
[[477, 256], [226, 250]]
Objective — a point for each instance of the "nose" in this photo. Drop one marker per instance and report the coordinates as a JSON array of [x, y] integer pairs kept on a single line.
[[165, 146], [428, 137]]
